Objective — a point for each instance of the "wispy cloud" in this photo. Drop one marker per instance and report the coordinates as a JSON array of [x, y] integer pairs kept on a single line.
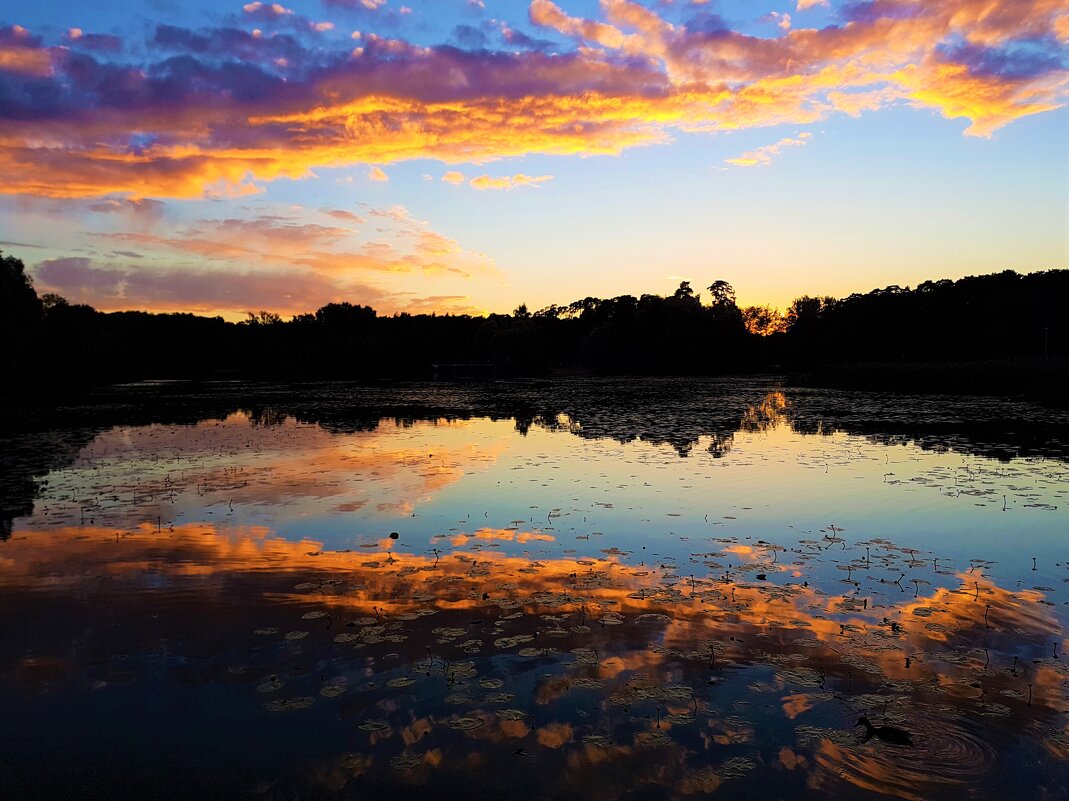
[[763, 156], [490, 182]]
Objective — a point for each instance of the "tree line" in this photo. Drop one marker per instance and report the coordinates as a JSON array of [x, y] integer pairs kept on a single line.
[[1004, 315]]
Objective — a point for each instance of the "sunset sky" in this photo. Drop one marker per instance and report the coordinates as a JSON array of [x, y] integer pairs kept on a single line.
[[472, 155]]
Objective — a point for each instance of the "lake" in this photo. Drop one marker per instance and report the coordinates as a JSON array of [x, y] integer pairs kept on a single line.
[[580, 588]]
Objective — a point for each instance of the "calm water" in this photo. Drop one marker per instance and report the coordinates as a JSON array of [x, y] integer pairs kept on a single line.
[[584, 589]]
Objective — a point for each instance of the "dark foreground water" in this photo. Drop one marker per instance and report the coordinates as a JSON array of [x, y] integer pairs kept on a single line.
[[582, 589]]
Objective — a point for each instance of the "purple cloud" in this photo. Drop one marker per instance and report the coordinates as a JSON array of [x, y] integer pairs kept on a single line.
[[1019, 60]]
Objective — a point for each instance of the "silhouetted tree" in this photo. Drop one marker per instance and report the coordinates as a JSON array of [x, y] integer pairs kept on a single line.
[[19, 304], [262, 318], [21, 315], [552, 312], [763, 320], [723, 294], [806, 311], [979, 317], [345, 316], [684, 292], [50, 300]]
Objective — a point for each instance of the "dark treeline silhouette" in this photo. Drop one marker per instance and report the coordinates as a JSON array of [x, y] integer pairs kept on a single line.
[[999, 316]]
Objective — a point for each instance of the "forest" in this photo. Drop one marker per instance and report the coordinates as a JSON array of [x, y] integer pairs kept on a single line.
[[996, 323]]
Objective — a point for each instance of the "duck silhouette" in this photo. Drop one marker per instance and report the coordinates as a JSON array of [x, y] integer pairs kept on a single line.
[[889, 734]]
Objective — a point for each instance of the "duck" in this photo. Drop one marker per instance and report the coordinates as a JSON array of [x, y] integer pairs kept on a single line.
[[889, 734]]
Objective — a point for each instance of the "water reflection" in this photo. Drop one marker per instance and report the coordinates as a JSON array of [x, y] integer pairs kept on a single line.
[[681, 413], [529, 593], [165, 473], [455, 669]]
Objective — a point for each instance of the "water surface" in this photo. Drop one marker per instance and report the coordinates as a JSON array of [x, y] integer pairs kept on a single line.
[[656, 589]]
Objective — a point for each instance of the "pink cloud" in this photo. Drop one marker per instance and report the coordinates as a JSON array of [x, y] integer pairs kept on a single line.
[[117, 287], [344, 216], [412, 246], [291, 261]]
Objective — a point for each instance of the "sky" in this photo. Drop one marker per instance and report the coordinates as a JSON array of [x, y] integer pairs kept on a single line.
[[467, 156]]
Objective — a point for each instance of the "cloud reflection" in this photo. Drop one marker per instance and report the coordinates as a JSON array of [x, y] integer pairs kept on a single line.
[[464, 662]]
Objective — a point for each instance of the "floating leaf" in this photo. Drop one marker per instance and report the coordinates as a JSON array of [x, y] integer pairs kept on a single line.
[[598, 739], [290, 704], [405, 762], [465, 724]]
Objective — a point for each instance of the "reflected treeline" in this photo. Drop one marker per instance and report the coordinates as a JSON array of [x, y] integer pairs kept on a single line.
[[680, 413], [384, 672]]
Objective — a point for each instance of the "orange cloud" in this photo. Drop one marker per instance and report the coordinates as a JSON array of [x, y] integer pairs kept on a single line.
[[25, 61], [508, 181], [983, 100], [550, 15], [631, 79], [484, 182]]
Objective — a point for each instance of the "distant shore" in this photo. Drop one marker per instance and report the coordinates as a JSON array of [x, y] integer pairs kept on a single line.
[[1044, 381], [1041, 381]]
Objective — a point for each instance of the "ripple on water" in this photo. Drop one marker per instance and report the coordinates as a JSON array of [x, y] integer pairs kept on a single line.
[[947, 752]]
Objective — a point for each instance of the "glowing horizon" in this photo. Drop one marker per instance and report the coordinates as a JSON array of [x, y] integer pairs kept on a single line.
[[470, 156]]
